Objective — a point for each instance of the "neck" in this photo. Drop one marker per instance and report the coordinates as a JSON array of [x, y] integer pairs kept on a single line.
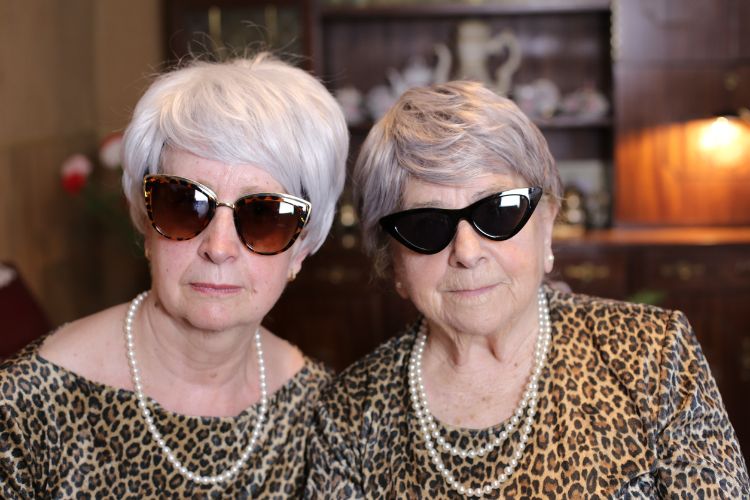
[[476, 380], [192, 371], [464, 351]]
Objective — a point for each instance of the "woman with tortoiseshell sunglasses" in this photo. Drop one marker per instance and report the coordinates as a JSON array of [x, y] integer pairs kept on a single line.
[[232, 171]]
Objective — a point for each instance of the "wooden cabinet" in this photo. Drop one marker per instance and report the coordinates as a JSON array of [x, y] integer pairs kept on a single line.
[[679, 31], [226, 28], [565, 42], [678, 64]]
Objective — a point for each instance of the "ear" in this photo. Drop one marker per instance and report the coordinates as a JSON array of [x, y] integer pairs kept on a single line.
[[398, 283], [549, 215], [147, 238], [295, 264]]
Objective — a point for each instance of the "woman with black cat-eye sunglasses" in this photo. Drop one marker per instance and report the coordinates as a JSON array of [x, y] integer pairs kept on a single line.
[[232, 171], [505, 387]]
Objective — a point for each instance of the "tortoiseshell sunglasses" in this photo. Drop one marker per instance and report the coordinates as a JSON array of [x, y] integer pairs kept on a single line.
[[267, 223]]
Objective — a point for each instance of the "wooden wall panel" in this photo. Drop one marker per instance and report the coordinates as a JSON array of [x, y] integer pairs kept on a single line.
[[658, 31], [70, 72], [667, 178]]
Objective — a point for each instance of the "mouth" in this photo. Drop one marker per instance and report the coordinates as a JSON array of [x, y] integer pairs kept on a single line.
[[215, 288], [472, 291]]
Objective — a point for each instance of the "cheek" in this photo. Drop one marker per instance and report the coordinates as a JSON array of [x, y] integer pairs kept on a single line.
[[169, 259], [418, 275]]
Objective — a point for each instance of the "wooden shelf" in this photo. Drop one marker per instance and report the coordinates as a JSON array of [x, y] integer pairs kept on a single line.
[[514, 7], [571, 122], [644, 236]]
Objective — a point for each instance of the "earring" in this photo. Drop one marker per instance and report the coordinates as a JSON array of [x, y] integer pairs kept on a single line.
[[147, 253], [551, 258], [292, 276], [399, 285]]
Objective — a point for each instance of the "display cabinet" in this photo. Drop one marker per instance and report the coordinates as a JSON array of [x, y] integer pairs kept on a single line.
[[223, 28]]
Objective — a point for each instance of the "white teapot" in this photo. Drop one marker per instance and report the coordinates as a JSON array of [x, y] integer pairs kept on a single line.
[[475, 44]]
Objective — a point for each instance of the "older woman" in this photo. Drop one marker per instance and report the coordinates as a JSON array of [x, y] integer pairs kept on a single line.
[[232, 171], [505, 388]]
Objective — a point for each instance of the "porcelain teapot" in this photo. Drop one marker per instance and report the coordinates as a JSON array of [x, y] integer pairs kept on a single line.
[[474, 45]]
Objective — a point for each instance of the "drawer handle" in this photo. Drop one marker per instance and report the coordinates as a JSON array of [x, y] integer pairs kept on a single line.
[[586, 272], [742, 268], [338, 275], [684, 271], [745, 360]]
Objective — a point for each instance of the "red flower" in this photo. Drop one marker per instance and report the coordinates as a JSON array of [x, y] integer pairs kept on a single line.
[[73, 183], [75, 172]]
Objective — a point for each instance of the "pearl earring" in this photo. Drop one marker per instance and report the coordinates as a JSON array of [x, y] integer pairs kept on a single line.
[[399, 285], [551, 258], [292, 276]]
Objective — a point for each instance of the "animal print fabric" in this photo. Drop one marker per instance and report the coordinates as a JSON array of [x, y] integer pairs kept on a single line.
[[627, 409], [63, 436]]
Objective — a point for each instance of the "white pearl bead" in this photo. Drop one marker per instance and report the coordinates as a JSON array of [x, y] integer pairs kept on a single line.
[[528, 400], [138, 390]]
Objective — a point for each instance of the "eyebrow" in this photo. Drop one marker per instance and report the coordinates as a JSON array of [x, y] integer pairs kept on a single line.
[[436, 203]]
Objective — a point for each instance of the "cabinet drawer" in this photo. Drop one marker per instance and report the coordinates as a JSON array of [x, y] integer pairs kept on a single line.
[[594, 271], [696, 268]]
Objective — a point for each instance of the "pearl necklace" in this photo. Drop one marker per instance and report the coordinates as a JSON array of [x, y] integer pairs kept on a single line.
[[527, 405], [135, 374]]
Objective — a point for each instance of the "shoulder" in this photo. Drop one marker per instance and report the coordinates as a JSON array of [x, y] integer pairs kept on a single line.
[[91, 347], [634, 340], [618, 320], [374, 387], [21, 375], [29, 386]]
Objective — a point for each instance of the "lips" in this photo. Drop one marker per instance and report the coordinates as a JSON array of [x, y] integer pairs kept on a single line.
[[215, 288]]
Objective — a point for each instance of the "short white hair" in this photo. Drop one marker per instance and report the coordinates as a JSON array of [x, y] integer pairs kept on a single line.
[[257, 110]]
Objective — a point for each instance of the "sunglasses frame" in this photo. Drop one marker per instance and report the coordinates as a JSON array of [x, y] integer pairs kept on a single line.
[[214, 203], [389, 222]]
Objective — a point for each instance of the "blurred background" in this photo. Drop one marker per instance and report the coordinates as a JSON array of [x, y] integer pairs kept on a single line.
[[644, 104]]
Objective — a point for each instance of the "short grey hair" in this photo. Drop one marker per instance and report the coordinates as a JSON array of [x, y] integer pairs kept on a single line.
[[444, 134], [257, 110]]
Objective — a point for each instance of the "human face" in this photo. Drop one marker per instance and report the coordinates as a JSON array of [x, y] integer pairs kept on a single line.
[[212, 281], [475, 285]]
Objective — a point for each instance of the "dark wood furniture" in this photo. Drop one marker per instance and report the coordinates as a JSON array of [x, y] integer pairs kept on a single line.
[[677, 65], [24, 319]]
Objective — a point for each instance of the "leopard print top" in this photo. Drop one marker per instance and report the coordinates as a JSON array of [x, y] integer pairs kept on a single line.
[[64, 436], [627, 409]]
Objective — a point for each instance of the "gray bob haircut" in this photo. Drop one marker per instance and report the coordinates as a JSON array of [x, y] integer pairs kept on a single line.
[[444, 134], [257, 110]]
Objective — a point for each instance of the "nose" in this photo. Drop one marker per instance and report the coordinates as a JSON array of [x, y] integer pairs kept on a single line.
[[220, 242], [466, 248]]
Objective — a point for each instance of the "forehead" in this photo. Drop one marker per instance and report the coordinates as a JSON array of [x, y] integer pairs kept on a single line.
[[218, 175], [418, 193]]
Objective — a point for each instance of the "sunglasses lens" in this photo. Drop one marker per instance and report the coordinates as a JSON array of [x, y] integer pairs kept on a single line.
[[500, 216], [428, 231], [268, 224], [179, 210]]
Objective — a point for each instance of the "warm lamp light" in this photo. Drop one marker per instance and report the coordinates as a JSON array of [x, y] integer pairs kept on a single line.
[[722, 140]]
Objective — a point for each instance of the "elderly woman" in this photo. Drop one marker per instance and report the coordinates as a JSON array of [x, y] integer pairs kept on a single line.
[[506, 388], [232, 171]]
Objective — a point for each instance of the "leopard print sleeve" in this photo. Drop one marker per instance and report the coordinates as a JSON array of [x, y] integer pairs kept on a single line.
[[695, 441], [695, 449], [18, 441], [15, 473], [333, 465]]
